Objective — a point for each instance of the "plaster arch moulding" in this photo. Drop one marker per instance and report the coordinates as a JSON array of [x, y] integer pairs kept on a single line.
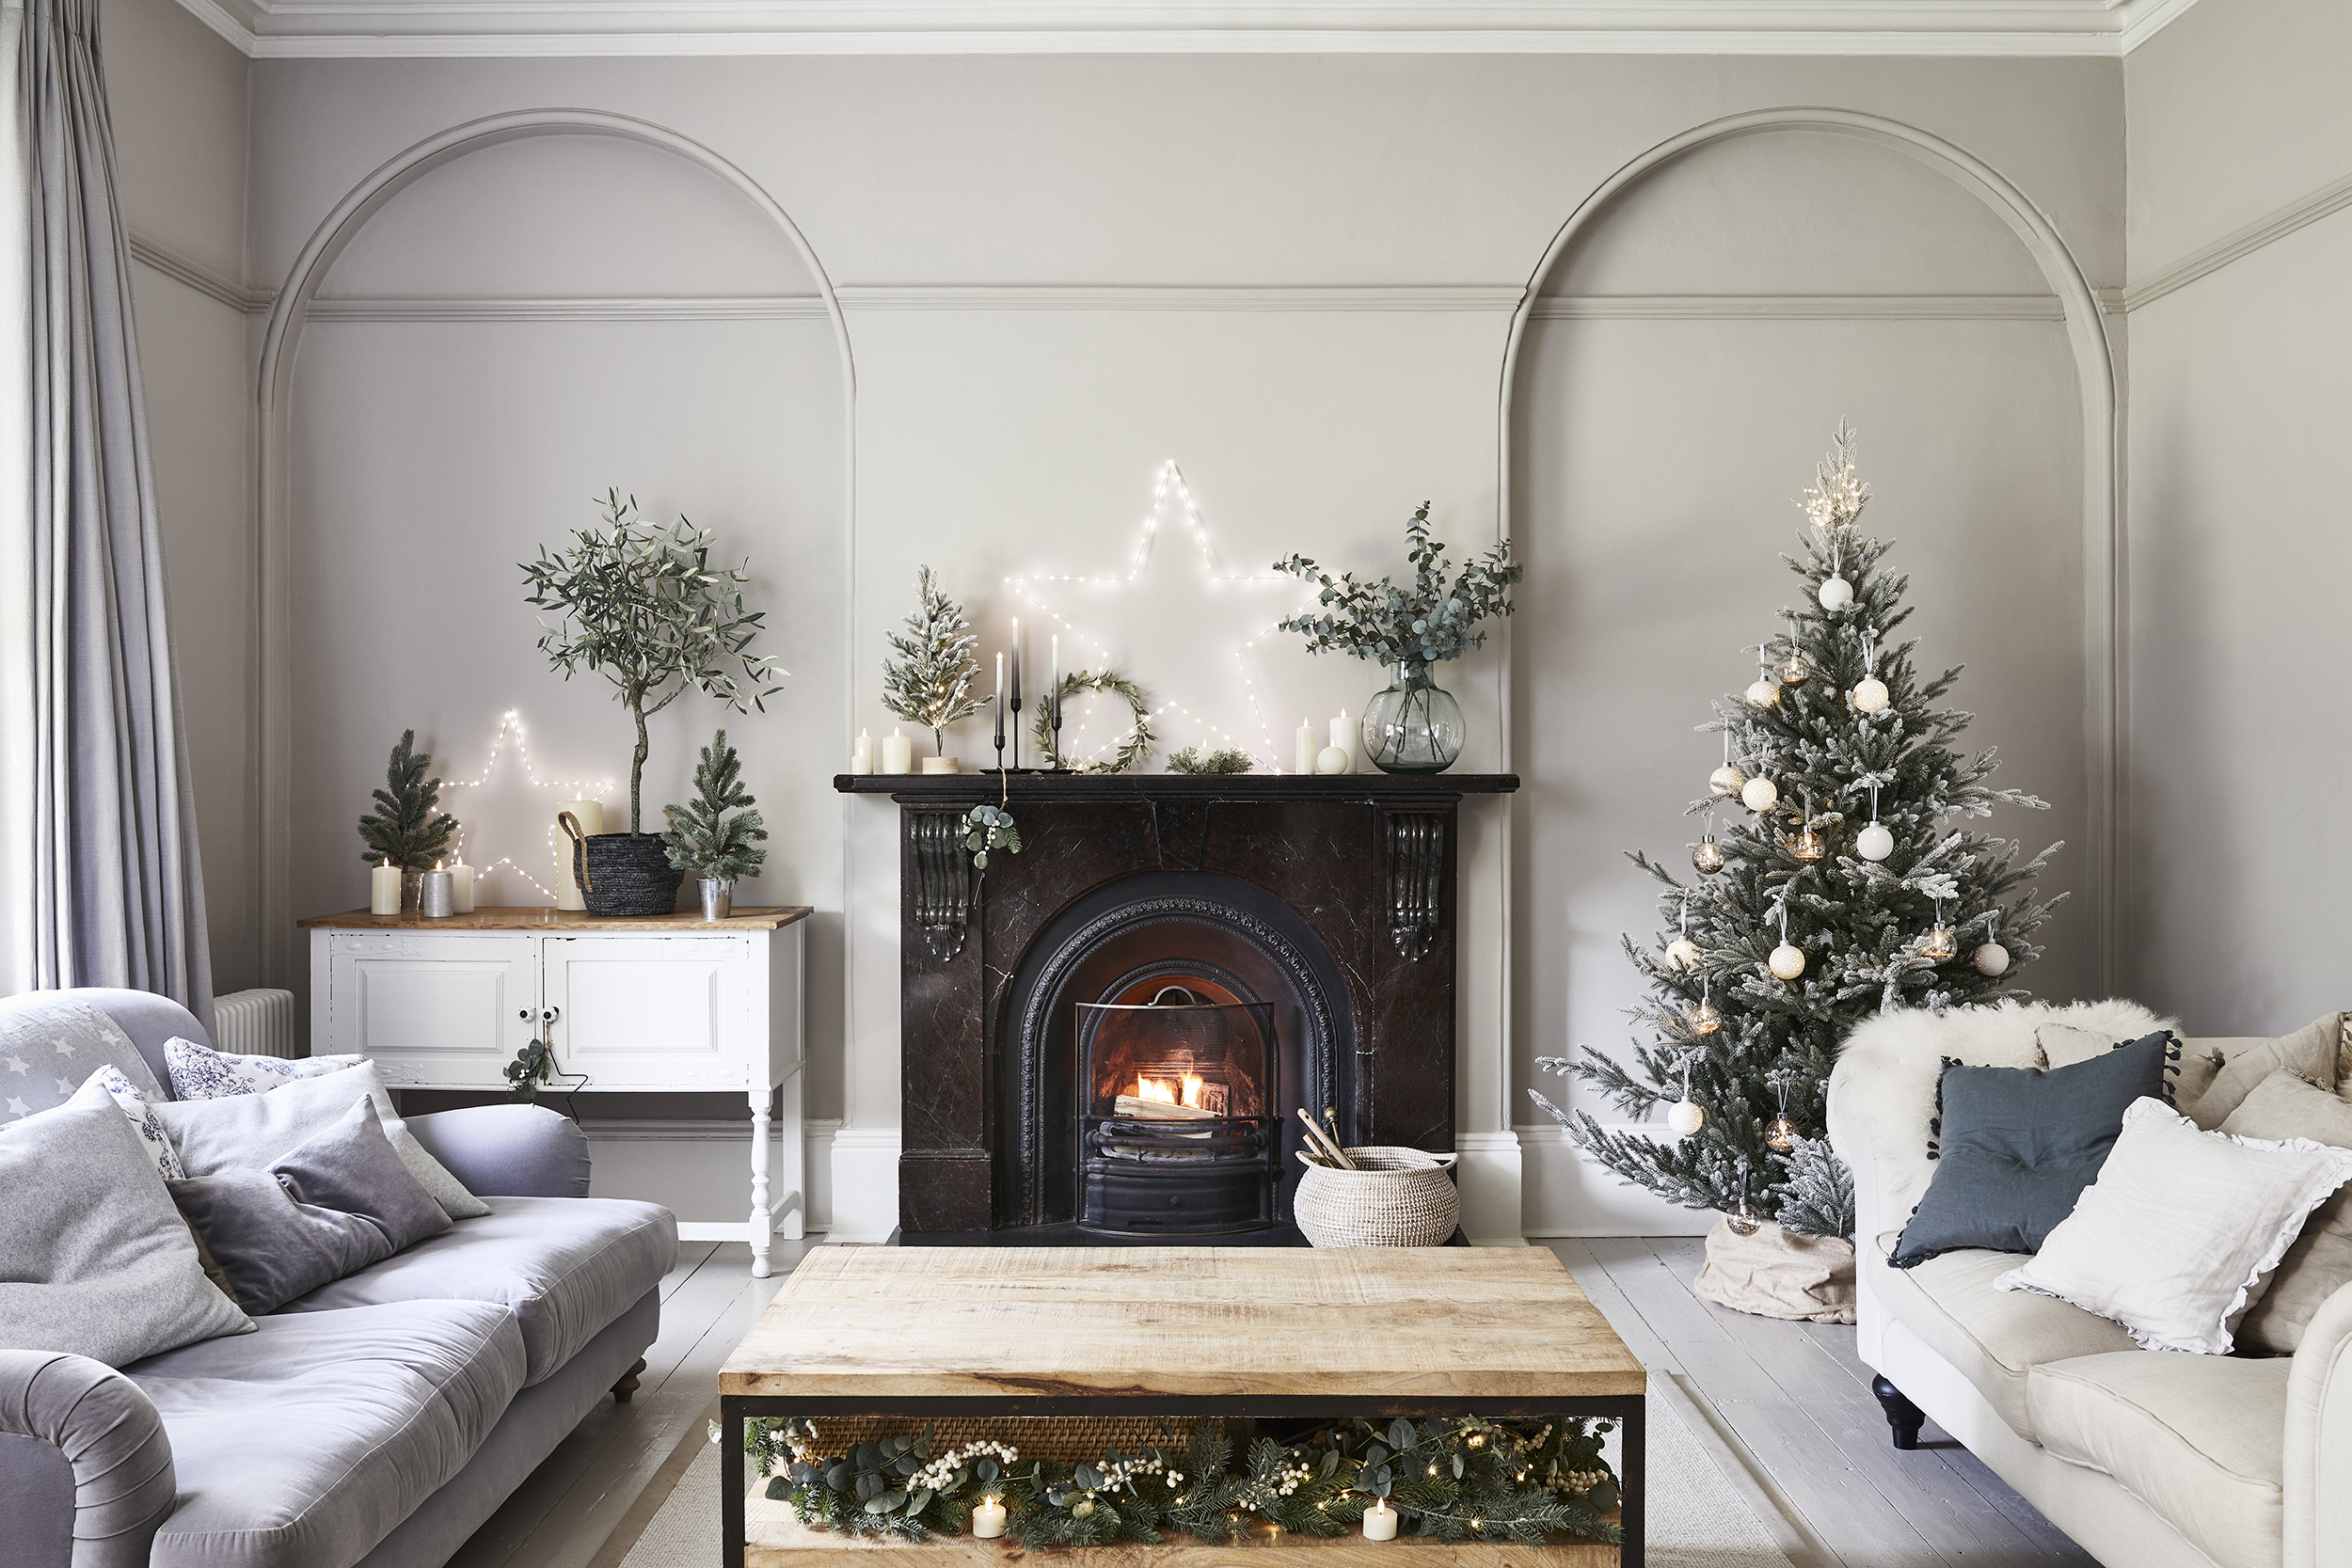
[[447, 28]]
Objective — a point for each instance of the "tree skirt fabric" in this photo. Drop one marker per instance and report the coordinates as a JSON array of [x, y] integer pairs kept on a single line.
[[1772, 1273]]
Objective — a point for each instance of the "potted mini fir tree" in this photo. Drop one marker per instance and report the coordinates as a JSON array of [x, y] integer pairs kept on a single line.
[[407, 828], [704, 840], [642, 605]]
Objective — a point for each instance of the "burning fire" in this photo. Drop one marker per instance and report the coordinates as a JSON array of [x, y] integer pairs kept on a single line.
[[1167, 1092]]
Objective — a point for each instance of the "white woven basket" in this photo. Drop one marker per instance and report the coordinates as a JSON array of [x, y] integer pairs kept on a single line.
[[1399, 1198]]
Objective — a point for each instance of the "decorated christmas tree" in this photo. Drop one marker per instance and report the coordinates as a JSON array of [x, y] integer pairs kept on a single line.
[[406, 827], [929, 683], [1833, 881]]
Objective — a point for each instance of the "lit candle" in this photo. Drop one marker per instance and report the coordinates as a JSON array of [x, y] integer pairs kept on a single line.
[[1016, 664], [383, 889], [1309, 747], [461, 888], [1348, 737], [1380, 1521], [591, 817], [988, 1518], [862, 753], [898, 752], [435, 894]]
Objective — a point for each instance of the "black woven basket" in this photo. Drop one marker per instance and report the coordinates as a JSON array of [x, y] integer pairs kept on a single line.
[[621, 873]]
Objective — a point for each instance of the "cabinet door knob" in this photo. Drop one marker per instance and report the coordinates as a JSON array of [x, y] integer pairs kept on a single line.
[[523, 1013], [548, 1015]]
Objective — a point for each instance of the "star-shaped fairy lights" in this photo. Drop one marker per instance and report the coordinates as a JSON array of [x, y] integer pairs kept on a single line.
[[506, 811], [1188, 629]]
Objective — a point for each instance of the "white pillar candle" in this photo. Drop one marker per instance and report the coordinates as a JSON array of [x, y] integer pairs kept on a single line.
[[383, 889], [591, 815], [898, 753], [461, 888], [1348, 735], [862, 753], [988, 1518], [1308, 747], [1380, 1521]]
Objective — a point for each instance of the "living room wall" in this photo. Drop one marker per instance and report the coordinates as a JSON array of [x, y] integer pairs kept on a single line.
[[2241, 356], [1056, 275]]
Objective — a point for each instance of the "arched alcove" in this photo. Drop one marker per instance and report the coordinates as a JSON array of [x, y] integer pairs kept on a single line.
[[1691, 336], [487, 333]]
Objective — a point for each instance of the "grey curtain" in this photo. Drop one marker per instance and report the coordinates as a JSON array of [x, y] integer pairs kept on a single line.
[[99, 885]]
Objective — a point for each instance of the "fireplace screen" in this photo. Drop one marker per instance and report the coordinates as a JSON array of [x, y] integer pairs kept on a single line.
[[1179, 1134]]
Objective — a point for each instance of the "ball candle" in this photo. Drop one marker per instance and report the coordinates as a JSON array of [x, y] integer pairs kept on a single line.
[[1308, 748], [461, 888], [898, 752], [1380, 1521], [383, 889], [1331, 759], [988, 1518]]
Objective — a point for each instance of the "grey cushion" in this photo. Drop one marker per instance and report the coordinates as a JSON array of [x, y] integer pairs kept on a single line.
[[2016, 1147], [301, 1446], [49, 1049], [249, 1132], [565, 1267], [94, 1259], [340, 1201]]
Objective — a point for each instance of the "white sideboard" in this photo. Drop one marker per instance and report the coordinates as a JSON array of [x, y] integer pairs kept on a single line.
[[655, 1005]]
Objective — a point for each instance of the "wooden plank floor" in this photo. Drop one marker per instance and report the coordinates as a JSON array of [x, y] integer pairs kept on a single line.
[[1791, 1395], [1798, 1400]]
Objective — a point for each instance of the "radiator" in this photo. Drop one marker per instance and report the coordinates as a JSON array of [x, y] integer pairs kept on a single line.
[[255, 1023]]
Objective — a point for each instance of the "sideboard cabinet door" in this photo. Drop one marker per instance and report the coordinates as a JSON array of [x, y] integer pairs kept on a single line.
[[666, 1012], [444, 1010]]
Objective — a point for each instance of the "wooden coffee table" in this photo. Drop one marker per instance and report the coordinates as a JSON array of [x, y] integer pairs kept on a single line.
[[1276, 1333]]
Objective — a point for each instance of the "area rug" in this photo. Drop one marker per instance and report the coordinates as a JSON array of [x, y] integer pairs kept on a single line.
[[1695, 1519]]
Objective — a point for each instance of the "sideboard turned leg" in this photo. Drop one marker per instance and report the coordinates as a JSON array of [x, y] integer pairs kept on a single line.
[[762, 1228]]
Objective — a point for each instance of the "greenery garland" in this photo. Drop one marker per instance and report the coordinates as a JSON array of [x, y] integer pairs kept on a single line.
[[1201, 759], [1465, 1479], [1132, 751]]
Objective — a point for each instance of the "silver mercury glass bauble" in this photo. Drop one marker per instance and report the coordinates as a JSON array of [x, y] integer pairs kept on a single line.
[[1991, 958], [1759, 795], [1835, 594]]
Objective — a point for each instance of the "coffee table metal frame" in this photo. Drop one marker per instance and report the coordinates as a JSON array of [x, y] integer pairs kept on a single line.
[[1625, 1409]]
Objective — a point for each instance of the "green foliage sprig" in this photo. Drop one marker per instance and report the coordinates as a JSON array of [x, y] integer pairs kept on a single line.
[[642, 606], [404, 828], [1201, 759], [988, 828], [702, 838], [1434, 620]]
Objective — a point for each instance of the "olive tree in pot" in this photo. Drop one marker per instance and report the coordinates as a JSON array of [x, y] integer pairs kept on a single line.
[[704, 840], [640, 605]]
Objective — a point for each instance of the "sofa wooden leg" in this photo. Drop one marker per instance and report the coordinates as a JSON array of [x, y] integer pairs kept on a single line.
[[622, 1391], [1904, 1415]]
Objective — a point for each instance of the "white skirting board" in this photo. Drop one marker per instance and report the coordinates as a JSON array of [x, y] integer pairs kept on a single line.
[[1489, 1176], [865, 1197], [1569, 1195], [699, 1170]]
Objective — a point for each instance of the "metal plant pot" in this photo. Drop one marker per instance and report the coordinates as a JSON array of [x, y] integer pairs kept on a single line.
[[718, 897]]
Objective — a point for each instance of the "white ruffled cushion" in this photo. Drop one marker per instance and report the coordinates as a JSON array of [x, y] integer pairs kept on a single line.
[[2181, 1232]]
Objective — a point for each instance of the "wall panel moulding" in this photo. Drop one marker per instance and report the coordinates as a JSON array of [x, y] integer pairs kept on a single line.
[[323, 28]]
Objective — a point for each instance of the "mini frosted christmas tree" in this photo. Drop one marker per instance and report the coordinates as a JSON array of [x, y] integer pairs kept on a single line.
[[929, 683], [405, 828], [1831, 884]]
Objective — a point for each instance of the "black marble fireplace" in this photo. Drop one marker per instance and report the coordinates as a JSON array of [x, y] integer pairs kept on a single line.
[[1298, 934]]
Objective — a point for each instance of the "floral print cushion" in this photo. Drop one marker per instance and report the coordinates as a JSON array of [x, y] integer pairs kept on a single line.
[[144, 1121], [48, 1052], [200, 1072]]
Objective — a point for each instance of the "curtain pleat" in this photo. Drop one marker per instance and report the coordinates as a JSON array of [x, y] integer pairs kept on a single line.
[[117, 893]]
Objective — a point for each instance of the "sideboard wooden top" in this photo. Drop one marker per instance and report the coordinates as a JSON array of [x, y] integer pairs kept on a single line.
[[538, 917], [1132, 1323]]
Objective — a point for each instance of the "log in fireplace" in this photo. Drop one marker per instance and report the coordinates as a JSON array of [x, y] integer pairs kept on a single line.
[[1287, 941]]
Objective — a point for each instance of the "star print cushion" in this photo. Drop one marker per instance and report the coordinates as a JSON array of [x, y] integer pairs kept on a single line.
[[200, 1072], [144, 1121], [48, 1052]]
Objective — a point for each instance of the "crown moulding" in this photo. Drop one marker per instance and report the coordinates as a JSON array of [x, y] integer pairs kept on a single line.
[[477, 28]]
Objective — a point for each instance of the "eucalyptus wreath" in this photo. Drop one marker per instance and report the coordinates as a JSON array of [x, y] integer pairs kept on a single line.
[[1132, 751]]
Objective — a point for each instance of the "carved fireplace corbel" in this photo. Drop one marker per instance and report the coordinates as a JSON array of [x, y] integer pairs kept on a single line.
[[942, 880], [1416, 847]]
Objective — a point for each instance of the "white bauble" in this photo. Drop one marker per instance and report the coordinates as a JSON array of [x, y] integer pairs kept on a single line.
[[1331, 759], [1788, 962], [1991, 958], [1874, 843], [1869, 695], [1725, 782], [1684, 953], [1685, 1117], [1759, 795], [1835, 594], [1763, 693]]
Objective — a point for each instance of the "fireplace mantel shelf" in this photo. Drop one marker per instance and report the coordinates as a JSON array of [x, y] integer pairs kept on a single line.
[[916, 787]]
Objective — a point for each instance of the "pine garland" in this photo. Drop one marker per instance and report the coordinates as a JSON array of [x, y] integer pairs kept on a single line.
[[404, 828], [931, 682], [1861, 924]]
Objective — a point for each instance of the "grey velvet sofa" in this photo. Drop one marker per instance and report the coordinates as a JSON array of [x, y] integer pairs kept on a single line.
[[378, 1420]]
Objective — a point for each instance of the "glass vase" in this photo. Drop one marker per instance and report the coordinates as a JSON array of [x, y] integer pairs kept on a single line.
[[1415, 726]]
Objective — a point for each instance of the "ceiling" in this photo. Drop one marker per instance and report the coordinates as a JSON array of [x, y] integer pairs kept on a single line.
[[320, 28]]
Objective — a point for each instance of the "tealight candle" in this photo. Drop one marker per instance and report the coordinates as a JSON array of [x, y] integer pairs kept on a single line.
[[898, 752], [461, 888], [383, 889], [435, 894], [1380, 1521], [988, 1518]]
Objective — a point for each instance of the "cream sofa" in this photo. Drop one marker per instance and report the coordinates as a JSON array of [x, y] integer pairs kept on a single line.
[[2148, 1458]]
